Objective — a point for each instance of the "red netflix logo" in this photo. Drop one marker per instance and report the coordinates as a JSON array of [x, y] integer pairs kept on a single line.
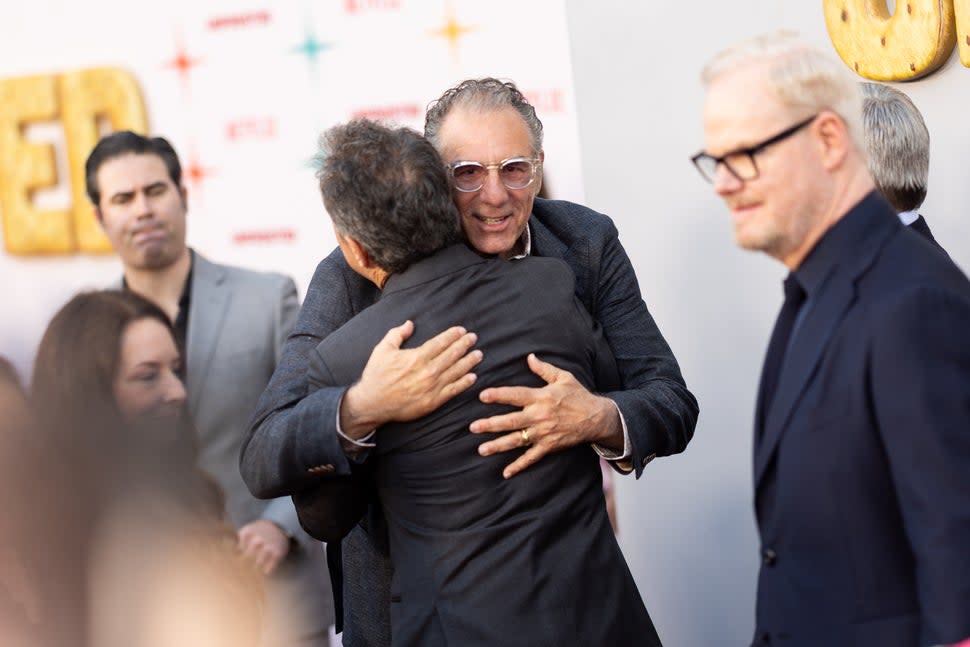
[[360, 6], [235, 21], [264, 236], [546, 101], [251, 128], [390, 113]]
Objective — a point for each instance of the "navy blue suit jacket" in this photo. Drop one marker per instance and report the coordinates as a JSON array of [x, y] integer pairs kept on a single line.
[[862, 470]]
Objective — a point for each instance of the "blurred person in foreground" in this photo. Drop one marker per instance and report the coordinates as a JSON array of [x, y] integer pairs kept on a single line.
[[25, 522], [110, 416], [230, 324], [478, 558], [861, 450], [898, 147], [491, 140]]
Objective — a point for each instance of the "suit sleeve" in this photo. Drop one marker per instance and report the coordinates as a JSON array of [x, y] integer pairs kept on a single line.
[[659, 412], [920, 378], [280, 510], [292, 429]]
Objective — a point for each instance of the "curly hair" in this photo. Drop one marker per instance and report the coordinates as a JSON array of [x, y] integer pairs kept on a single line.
[[388, 189], [484, 95]]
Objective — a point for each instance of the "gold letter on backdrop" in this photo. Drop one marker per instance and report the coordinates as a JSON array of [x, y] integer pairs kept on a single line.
[[78, 100], [962, 10], [87, 95], [913, 42], [25, 167]]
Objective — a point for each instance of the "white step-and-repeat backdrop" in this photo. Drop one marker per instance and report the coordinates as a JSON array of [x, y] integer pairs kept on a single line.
[[242, 90]]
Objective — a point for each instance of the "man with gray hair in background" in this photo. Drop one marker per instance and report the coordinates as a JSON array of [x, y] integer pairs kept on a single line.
[[861, 451], [898, 144]]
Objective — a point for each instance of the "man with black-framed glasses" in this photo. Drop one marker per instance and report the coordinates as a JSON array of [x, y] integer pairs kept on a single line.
[[861, 450], [491, 139]]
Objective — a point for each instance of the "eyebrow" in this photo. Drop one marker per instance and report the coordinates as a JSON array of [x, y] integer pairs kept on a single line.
[[128, 194]]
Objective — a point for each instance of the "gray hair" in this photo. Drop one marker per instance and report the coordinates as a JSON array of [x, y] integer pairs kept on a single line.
[[388, 189], [898, 143], [803, 77], [483, 95]]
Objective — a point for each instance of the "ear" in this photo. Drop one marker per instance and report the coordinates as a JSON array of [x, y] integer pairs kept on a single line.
[[99, 216], [185, 196], [356, 250], [833, 139], [538, 182]]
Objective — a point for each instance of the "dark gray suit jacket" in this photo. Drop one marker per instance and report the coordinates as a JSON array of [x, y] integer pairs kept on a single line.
[[292, 432], [479, 559]]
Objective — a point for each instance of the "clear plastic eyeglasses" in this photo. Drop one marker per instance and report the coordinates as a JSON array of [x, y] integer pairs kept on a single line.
[[515, 173]]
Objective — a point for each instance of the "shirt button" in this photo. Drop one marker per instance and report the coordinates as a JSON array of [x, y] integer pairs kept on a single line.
[[768, 557]]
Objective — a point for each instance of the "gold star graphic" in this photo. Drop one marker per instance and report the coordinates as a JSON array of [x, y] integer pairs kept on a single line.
[[452, 31]]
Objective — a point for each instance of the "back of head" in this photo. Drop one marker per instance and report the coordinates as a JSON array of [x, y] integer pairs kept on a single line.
[[898, 144], [482, 95], [805, 79], [126, 142], [388, 189]]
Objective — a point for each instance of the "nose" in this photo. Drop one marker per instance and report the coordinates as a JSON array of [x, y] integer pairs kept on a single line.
[[725, 181], [141, 205], [493, 192], [174, 389]]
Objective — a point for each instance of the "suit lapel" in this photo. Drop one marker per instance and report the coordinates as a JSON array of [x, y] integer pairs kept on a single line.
[[871, 226], [545, 243], [210, 297], [835, 296]]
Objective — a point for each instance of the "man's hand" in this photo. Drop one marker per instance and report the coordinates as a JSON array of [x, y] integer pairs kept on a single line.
[[265, 543], [399, 385], [560, 415]]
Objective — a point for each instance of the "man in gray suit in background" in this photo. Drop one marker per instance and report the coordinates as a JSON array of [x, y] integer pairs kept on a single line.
[[230, 324]]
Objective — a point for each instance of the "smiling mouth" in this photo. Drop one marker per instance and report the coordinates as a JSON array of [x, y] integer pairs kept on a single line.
[[743, 208], [492, 221]]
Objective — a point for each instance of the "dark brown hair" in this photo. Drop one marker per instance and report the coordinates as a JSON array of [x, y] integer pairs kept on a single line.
[[78, 358]]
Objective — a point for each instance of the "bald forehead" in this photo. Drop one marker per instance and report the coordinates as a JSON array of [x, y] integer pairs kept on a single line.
[[471, 128], [744, 102]]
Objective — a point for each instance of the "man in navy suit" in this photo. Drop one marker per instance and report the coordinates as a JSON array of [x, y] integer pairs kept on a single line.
[[485, 130], [862, 446], [898, 146]]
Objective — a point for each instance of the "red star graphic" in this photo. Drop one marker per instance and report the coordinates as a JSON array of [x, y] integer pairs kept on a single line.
[[196, 173], [182, 63]]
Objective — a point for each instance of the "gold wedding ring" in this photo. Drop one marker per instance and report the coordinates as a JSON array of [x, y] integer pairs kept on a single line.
[[525, 437]]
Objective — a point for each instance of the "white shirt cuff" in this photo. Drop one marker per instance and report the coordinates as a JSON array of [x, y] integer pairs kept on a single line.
[[365, 441], [612, 454]]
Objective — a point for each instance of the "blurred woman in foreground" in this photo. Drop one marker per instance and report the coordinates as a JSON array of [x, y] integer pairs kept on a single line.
[[145, 558]]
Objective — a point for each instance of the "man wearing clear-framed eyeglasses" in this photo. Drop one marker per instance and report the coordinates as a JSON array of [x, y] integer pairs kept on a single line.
[[861, 450], [491, 138]]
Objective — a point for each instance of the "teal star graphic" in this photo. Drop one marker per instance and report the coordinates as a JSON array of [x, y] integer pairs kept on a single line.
[[311, 47]]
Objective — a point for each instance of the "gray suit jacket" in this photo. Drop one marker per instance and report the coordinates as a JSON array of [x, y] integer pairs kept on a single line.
[[292, 433], [238, 320]]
